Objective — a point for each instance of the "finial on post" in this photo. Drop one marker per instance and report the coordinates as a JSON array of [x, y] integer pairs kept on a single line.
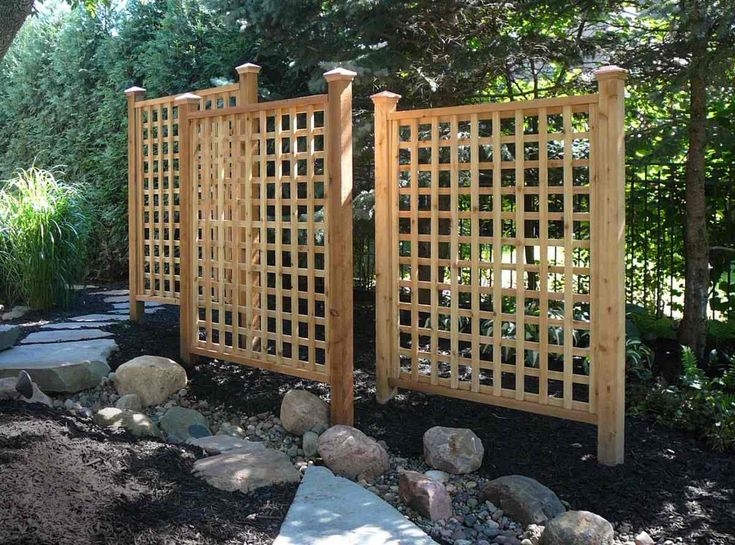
[[248, 68], [385, 96], [187, 98], [339, 74], [134, 91], [610, 72]]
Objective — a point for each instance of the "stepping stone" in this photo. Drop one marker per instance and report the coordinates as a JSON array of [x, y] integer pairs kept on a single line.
[[117, 299], [111, 292], [65, 367], [62, 335], [127, 311], [246, 469], [217, 444], [8, 335], [126, 306], [329, 509], [99, 318], [76, 325]]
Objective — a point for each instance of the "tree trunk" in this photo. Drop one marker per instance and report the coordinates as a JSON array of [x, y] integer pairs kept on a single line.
[[693, 329], [14, 14]]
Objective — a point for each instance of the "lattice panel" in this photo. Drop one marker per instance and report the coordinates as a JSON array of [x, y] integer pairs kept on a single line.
[[159, 200], [260, 281], [158, 190], [492, 210]]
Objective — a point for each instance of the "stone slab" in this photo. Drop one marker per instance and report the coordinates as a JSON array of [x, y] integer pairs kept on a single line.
[[64, 367], [125, 312], [126, 306], [65, 335], [8, 335], [117, 299], [217, 444], [330, 510], [76, 325], [110, 292], [109, 317]]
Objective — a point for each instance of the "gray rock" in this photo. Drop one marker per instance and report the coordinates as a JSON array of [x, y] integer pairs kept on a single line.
[[523, 499], [436, 475], [9, 390], [152, 378], [99, 318], [454, 450], [8, 335], [65, 335], [424, 495], [16, 312], [65, 367], [129, 402], [350, 453], [136, 423], [333, 510], [310, 444], [247, 469], [177, 420], [577, 528], [301, 411], [109, 417], [644, 539], [218, 444]]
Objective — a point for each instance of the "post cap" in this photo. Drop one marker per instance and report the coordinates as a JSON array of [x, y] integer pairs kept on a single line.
[[385, 96], [339, 74], [248, 68], [134, 91], [610, 72], [186, 98]]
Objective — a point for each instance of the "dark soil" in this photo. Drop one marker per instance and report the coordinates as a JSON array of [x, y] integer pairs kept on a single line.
[[671, 484], [64, 480]]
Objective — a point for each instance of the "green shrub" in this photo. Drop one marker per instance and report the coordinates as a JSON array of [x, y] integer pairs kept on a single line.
[[701, 405], [42, 238]]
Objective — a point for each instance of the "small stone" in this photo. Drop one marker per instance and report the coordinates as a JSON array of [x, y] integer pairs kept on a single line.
[[577, 528], [301, 411], [246, 470], [524, 499], [310, 443], [152, 378], [436, 475], [109, 417], [177, 421], [426, 496], [644, 539], [454, 450], [8, 335], [129, 401]]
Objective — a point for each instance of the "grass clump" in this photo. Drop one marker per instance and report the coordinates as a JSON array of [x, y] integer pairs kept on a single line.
[[43, 235]]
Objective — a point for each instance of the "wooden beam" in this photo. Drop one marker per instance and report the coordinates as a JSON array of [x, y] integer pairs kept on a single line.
[[608, 257], [339, 244], [137, 308]]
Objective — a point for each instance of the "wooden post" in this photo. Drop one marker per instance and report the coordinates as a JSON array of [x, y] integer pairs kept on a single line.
[[608, 274], [137, 308], [186, 104], [339, 243], [248, 73], [385, 326]]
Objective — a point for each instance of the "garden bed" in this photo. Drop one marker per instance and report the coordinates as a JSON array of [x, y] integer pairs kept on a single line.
[[671, 484]]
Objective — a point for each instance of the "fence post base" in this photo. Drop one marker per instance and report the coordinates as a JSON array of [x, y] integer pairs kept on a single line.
[[137, 310]]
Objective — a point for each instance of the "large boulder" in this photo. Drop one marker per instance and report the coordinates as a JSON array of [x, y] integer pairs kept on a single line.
[[426, 496], [246, 469], [454, 450], [152, 378], [577, 528], [302, 411], [523, 499], [12, 390], [8, 335], [350, 453], [177, 421]]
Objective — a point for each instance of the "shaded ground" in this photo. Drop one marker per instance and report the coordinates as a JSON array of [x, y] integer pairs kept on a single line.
[[66, 481], [671, 484]]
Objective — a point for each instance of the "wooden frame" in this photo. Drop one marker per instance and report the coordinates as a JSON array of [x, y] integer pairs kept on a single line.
[[500, 234], [241, 212]]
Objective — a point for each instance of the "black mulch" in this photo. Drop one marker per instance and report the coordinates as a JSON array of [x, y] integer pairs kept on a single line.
[[64, 480], [671, 484]]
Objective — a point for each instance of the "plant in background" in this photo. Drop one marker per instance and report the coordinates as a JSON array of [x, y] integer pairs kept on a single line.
[[43, 232]]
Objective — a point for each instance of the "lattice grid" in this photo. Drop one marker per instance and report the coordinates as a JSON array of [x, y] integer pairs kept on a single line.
[[158, 190], [491, 212], [261, 228]]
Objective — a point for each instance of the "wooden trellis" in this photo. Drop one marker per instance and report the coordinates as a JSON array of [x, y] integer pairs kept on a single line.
[[242, 212], [499, 236]]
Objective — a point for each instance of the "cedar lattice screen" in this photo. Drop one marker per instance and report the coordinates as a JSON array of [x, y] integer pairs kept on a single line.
[[499, 229], [261, 227]]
